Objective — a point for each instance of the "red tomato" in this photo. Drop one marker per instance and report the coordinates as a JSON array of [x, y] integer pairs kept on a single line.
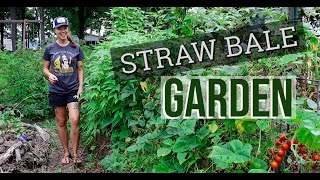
[[295, 141], [303, 151], [283, 137], [281, 153], [289, 143], [285, 147], [274, 165], [278, 159], [304, 157], [316, 158]]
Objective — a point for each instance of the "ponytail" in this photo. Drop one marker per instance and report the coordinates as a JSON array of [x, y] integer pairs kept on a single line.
[[73, 44]]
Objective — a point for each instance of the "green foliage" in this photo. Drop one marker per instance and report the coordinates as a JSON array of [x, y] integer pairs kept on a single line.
[[23, 84], [232, 152], [129, 111], [128, 19], [10, 122]]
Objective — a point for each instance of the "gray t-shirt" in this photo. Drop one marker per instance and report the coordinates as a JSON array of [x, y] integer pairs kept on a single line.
[[63, 64]]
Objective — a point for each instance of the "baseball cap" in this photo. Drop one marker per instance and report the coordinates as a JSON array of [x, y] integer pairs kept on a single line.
[[60, 21]]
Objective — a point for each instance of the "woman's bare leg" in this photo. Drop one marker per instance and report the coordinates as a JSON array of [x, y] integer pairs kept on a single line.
[[74, 117], [60, 112]]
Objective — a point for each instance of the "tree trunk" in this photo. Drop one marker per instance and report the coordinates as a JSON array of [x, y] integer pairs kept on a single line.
[[13, 15], [81, 17], [2, 25], [41, 14], [23, 16], [1, 34]]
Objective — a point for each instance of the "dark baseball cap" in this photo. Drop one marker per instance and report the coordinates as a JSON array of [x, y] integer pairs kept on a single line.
[[60, 21]]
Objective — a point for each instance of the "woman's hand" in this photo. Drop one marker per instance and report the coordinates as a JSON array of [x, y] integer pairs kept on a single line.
[[52, 78], [79, 93]]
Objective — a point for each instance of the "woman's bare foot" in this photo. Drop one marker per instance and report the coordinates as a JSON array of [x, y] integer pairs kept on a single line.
[[77, 160], [65, 159]]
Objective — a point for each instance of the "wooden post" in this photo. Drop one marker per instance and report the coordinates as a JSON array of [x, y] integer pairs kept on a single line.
[[13, 15], [42, 36], [14, 30], [293, 13], [24, 33]]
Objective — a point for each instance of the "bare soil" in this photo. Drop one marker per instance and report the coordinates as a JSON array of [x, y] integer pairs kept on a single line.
[[34, 155]]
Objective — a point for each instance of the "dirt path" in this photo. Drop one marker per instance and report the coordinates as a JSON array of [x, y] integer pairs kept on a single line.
[[54, 160], [38, 156]]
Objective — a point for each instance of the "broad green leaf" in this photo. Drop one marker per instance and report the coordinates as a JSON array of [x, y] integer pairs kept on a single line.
[[203, 132], [306, 114], [174, 123], [213, 127], [284, 60], [232, 152], [257, 171], [221, 157], [125, 95], [263, 124], [133, 148], [172, 130], [180, 145], [132, 122], [230, 123], [305, 136], [187, 126], [182, 157], [168, 142], [163, 152], [148, 114], [185, 143], [312, 125], [311, 104], [149, 106], [239, 125], [250, 127], [163, 168], [258, 164], [193, 142]]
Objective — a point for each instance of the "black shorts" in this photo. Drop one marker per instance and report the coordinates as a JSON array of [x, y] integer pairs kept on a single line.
[[62, 99]]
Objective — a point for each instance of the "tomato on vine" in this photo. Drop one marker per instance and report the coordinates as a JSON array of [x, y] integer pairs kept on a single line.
[[274, 165], [285, 147], [316, 158], [278, 159], [289, 143], [303, 151], [283, 137], [281, 153]]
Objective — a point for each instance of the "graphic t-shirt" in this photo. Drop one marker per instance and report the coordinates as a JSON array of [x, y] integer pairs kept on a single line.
[[63, 64]]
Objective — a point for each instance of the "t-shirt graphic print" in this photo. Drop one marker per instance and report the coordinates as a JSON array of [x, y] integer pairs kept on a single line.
[[62, 63]]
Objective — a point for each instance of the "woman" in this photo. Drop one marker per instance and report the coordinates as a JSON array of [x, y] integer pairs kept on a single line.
[[63, 66]]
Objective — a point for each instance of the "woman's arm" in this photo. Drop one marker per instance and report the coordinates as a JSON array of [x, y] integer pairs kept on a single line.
[[81, 77], [52, 78]]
